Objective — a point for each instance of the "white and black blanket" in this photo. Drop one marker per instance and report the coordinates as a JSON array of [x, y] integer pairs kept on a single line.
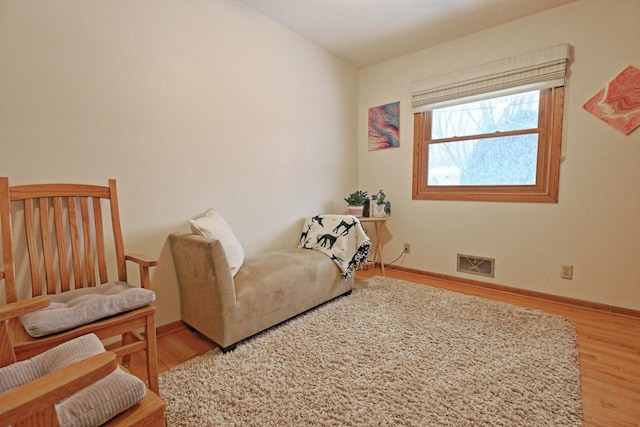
[[340, 237]]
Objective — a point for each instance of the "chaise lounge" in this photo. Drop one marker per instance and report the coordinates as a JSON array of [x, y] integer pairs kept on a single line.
[[267, 289]]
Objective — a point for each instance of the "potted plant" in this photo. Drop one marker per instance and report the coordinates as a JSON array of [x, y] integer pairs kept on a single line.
[[356, 201], [381, 207]]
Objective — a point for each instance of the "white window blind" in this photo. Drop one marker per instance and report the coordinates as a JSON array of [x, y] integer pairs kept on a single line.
[[541, 69]]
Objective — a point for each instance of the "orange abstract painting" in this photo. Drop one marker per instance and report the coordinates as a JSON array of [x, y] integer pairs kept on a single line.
[[618, 104]]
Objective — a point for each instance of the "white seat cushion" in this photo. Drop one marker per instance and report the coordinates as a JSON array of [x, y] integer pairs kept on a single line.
[[91, 406], [85, 305]]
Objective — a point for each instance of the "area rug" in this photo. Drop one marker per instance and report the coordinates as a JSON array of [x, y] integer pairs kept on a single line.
[[391, 353]]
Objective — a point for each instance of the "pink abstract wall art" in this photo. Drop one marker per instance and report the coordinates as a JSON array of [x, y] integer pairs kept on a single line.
[[618, 104], [384, 126]]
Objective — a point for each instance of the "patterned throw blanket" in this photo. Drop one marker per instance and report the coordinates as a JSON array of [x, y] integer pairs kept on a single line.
[[340, 237]]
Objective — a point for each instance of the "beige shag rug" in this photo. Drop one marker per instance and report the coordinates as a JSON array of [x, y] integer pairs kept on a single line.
[[392, 353]]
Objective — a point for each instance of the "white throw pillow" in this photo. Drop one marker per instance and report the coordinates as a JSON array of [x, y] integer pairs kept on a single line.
[[214, 226]]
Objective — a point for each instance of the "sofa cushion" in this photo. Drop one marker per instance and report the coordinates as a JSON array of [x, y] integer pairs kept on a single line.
[[85, 305], [92, 405], [214, 226]]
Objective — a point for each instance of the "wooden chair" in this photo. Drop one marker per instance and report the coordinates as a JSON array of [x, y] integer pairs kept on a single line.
[[33, 402], [62, 249]]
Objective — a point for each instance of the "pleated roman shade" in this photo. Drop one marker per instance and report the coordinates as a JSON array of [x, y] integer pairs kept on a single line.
[[541, 69]]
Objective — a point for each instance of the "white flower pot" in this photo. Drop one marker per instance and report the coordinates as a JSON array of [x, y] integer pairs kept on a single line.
[[378, 210]]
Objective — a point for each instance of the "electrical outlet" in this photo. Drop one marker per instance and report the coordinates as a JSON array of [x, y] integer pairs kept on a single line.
[[566, 271], [407, 248]]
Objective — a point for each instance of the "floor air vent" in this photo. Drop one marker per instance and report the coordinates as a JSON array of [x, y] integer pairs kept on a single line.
[[476, 265]]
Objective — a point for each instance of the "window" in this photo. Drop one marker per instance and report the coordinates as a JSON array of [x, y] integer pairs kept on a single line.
[[491, 132], [505, 148]]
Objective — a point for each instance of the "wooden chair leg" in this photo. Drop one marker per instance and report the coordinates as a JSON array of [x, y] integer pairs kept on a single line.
[[152, 355]]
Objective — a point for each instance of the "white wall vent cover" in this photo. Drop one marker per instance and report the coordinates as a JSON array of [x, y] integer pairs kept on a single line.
[[476, 265]]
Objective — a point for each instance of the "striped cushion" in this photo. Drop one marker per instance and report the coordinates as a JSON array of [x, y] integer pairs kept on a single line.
[[101, 401], [85, 305], [91, 406]]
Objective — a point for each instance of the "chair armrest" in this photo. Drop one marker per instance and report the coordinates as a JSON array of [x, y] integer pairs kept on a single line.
[[144, 263], [40, 395], [142, 260], [193, 253], [15, 309]]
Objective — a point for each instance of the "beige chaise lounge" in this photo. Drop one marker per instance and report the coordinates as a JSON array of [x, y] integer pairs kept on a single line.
[[268, 289]]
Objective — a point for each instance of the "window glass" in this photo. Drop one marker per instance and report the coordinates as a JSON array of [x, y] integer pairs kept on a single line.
[[505, 113], [507, 160]]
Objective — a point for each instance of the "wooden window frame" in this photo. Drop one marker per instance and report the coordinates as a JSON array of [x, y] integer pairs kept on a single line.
[[546, 187]]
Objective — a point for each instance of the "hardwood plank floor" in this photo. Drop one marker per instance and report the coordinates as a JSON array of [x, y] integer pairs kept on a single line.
[[608, 345]]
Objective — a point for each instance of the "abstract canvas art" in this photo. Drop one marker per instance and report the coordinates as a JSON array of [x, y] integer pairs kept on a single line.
[[384, 126], [618, 104]]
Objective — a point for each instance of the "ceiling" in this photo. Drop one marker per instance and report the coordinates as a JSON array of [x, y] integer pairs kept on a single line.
[[366, 32]]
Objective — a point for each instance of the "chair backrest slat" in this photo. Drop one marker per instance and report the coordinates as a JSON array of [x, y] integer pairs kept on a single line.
[[88, 246], [75, 242], [62, 251], [63, 235], [32, 247], [99, 230], [43, 208]]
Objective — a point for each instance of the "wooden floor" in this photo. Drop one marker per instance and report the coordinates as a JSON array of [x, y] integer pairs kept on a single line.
[[608, 344]]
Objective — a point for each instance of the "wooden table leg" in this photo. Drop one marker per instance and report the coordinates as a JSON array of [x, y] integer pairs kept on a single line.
[[378, 251]]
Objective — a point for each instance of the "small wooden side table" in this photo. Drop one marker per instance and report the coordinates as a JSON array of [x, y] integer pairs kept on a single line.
[[378, 222]]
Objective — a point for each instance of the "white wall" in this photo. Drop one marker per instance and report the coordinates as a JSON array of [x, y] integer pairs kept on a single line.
[[596, 224], [189, 104]]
